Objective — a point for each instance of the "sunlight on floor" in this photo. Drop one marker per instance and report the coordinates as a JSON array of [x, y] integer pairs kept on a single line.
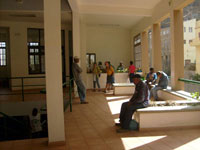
[[189, 144], [115, 106], [135, 142], [116, 97]]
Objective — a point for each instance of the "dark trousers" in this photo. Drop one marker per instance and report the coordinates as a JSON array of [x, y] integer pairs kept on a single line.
[[126, 113], [131, 77]]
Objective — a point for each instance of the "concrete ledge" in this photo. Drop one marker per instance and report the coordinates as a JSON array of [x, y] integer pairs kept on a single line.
[[123, 88], [167, 117], [166, 94]]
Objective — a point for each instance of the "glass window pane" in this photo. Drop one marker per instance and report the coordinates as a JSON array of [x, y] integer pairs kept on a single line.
[[36, 50], [92, 59], [32, 59], [37, 59], [165, 42], [4, 51], [31, 50]]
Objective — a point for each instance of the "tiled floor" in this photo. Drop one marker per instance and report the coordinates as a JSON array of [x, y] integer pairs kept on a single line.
[[91, 127]]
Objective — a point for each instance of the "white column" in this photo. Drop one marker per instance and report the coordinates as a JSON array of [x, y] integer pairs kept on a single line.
[[156, 48], [76, 34], [145, 57], [83, 51], [177, 49], [52, 30]]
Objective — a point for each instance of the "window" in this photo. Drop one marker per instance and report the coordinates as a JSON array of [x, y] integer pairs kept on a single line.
[[184, 29], [184, 41], [190, 41], [190, 29], [2, 53], [137, 51], [36, 51], [165, 45], [91, 59]]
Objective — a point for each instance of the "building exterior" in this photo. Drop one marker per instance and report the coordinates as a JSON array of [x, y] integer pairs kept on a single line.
[[196, 43]]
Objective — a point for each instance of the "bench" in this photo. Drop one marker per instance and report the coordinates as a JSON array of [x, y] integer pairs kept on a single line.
[[160, 117], [167, 94], [123, 88]]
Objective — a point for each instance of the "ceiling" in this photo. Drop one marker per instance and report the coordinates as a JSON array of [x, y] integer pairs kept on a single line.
[[30, 10], [124, 13], [115, 13]]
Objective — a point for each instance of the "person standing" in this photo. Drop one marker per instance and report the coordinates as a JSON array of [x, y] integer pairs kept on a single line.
[[131, 71], [140, 99], [78, 80], [162, 84], [96, 74], [110, 76]]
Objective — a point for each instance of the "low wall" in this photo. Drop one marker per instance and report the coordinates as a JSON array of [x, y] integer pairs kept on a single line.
[[119, 78], [159, 117]]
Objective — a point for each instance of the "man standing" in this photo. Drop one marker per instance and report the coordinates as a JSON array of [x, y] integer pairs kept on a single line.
[[77, 77], [162, 84], [140, 99]]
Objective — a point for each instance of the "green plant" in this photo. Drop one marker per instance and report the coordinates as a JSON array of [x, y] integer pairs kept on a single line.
[[196, 77], [195, 95]]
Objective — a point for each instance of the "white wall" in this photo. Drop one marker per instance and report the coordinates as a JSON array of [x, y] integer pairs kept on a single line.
[[19, 49], [109, 43]]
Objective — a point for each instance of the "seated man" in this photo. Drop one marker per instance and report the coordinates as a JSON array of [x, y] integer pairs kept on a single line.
[[162, 84], [140, 99], [151, 77]]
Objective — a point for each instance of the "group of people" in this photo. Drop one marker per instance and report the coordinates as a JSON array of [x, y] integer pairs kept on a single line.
[[141, 96], [143, 89]]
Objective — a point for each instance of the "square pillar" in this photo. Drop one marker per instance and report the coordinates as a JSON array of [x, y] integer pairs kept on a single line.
[[156, 47], [53, 64], [145, 52], [177, 49]]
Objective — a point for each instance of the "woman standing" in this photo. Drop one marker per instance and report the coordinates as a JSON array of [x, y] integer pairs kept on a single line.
[[110, 76]]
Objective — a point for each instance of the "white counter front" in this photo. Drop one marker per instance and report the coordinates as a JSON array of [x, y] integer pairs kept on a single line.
[[119, 78]]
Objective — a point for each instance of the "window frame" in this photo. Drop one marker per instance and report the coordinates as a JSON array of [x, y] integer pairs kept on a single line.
[[89, 63], [40, 52], [1, 47]]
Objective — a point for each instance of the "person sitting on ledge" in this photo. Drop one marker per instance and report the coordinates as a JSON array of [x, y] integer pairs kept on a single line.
[[162, 84], [151, 77], [140, 99]]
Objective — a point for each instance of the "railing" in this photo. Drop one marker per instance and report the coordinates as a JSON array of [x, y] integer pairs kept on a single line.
[[69, 103], [22, 85], [189, 81]]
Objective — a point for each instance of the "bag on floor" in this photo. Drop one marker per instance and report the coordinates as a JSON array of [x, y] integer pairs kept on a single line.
[[133, 125]]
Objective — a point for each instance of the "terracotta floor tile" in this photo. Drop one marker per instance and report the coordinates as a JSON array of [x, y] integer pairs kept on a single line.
[[91, 127]]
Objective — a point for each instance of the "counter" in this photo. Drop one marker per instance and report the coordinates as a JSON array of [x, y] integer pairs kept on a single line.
[[119, 78]]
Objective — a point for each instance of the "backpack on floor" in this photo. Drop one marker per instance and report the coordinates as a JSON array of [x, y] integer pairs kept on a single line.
[[133, 125]]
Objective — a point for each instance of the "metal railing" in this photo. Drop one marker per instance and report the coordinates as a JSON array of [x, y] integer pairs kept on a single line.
[[189, 81], [22, 85]]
